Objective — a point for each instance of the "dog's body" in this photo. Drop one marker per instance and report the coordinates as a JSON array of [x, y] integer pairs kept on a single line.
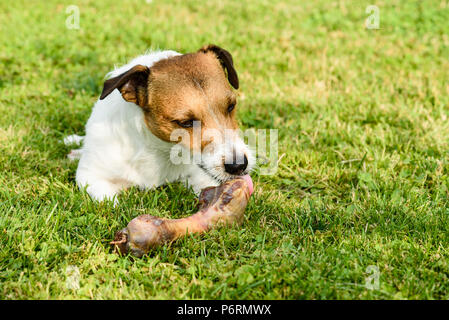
[[128, 139]]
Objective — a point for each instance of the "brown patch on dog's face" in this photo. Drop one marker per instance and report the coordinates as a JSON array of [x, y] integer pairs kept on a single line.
[[191, 87], [176, 91]]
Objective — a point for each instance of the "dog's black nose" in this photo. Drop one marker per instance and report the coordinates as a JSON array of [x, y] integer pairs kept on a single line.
[[236, 168]]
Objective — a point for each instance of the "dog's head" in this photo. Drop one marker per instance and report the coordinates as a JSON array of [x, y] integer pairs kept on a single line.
[[188, 92]]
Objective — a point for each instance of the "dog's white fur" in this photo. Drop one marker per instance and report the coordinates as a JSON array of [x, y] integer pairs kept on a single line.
[[120, 151]]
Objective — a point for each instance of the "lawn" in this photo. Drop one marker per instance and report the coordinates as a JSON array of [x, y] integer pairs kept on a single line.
[[358, 207]]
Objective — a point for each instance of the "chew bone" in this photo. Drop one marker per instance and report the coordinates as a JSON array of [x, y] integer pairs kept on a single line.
[[222, 205]]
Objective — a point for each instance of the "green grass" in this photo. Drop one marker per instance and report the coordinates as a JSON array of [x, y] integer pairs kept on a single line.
[[363, 140]]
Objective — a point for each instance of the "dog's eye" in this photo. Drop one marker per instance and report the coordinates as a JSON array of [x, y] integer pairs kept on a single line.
[[185, 124], [231, 107]]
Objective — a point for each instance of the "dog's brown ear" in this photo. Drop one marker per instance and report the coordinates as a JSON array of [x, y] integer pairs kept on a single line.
[[133, 85], [226, 62]]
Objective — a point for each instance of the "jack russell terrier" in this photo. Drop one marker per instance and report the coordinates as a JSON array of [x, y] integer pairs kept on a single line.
[[132, 130]]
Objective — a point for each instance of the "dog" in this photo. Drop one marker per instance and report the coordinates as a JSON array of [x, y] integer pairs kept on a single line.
[[135, 124]]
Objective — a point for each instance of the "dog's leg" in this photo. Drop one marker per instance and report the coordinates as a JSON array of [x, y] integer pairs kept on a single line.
[[73, 139], [102, 190], [198, 179], [74, 154], [98, 188]]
